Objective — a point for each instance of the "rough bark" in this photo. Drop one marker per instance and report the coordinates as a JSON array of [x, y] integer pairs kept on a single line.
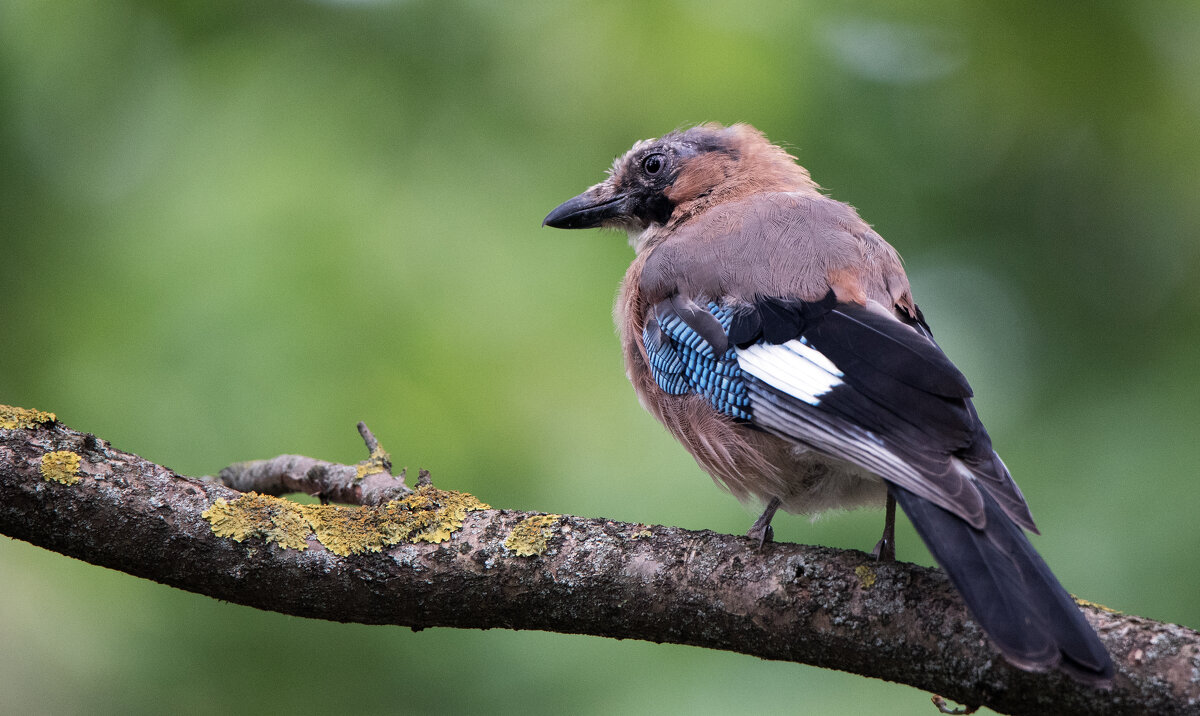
[[831, 608]]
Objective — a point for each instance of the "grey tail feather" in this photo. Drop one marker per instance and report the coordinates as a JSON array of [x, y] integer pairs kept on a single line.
[[1010, 591]]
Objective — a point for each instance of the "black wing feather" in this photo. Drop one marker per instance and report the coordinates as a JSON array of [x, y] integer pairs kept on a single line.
[[899, 386], [890, 346]]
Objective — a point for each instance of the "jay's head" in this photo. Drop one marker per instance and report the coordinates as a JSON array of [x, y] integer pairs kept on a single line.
[[662, 182]]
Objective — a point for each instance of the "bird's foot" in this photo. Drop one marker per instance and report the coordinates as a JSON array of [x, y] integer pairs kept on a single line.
[[762, 535], [761, 531], [885, 548]]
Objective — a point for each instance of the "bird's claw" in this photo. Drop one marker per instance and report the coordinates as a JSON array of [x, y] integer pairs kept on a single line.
[[885, 550], [761, 531], [761, 534]]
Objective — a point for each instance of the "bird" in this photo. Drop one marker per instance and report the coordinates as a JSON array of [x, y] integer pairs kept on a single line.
[[774, 333]]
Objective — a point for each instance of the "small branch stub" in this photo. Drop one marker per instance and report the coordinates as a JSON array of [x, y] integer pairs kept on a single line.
[[946, 708], [369, 482]]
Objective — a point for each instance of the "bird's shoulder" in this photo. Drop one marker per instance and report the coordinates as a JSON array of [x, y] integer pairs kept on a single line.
[[785, 244]]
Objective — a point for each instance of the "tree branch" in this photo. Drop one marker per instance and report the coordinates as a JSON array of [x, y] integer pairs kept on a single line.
[[407, 563]]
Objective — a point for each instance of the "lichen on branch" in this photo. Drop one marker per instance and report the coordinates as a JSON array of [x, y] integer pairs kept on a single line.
[[531, 535], [13, 418], [61, 466], [426, 515]]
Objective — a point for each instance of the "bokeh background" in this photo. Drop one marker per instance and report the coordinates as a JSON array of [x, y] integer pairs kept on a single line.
[[230, 229]]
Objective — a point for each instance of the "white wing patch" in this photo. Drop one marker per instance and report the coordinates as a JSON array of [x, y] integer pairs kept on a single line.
[[793, 367]]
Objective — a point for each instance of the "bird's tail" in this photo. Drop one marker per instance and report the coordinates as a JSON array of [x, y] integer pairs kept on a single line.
[[1010, 591]]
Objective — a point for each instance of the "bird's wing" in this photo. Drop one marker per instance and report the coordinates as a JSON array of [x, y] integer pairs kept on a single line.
[[849, 380]]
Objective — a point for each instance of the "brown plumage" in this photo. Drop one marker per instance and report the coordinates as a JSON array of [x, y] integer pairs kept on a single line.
[[774, 334], [747, 222]]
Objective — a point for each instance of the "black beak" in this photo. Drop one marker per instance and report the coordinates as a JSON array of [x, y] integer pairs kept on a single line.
[[587, 211]]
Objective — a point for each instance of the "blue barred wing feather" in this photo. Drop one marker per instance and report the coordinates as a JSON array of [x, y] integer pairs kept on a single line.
[[684, 362]]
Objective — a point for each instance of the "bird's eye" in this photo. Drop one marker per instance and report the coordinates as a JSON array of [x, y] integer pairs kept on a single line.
[[653, 163]]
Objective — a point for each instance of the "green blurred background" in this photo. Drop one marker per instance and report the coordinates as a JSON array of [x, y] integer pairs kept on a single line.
[[231, 229]]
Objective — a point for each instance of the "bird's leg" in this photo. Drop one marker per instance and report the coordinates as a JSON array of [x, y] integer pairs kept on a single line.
[[885, 548], [761, 529]]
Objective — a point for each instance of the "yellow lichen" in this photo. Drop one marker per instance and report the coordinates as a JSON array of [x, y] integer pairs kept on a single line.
[[442, 511], [61, 466], [379, 462], [1101, 607], [427, 515], [253, 515], [642, 534], [530, 536], [866, 576], [350, 530], [12, 418]]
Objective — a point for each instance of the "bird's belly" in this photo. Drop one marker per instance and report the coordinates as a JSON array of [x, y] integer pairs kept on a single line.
[[813, 482], [756, 465]]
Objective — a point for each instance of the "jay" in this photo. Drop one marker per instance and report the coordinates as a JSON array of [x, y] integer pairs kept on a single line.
[[775, 335]]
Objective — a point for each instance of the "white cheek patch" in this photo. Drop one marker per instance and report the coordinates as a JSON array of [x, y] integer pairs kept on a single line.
[[794, 368]]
